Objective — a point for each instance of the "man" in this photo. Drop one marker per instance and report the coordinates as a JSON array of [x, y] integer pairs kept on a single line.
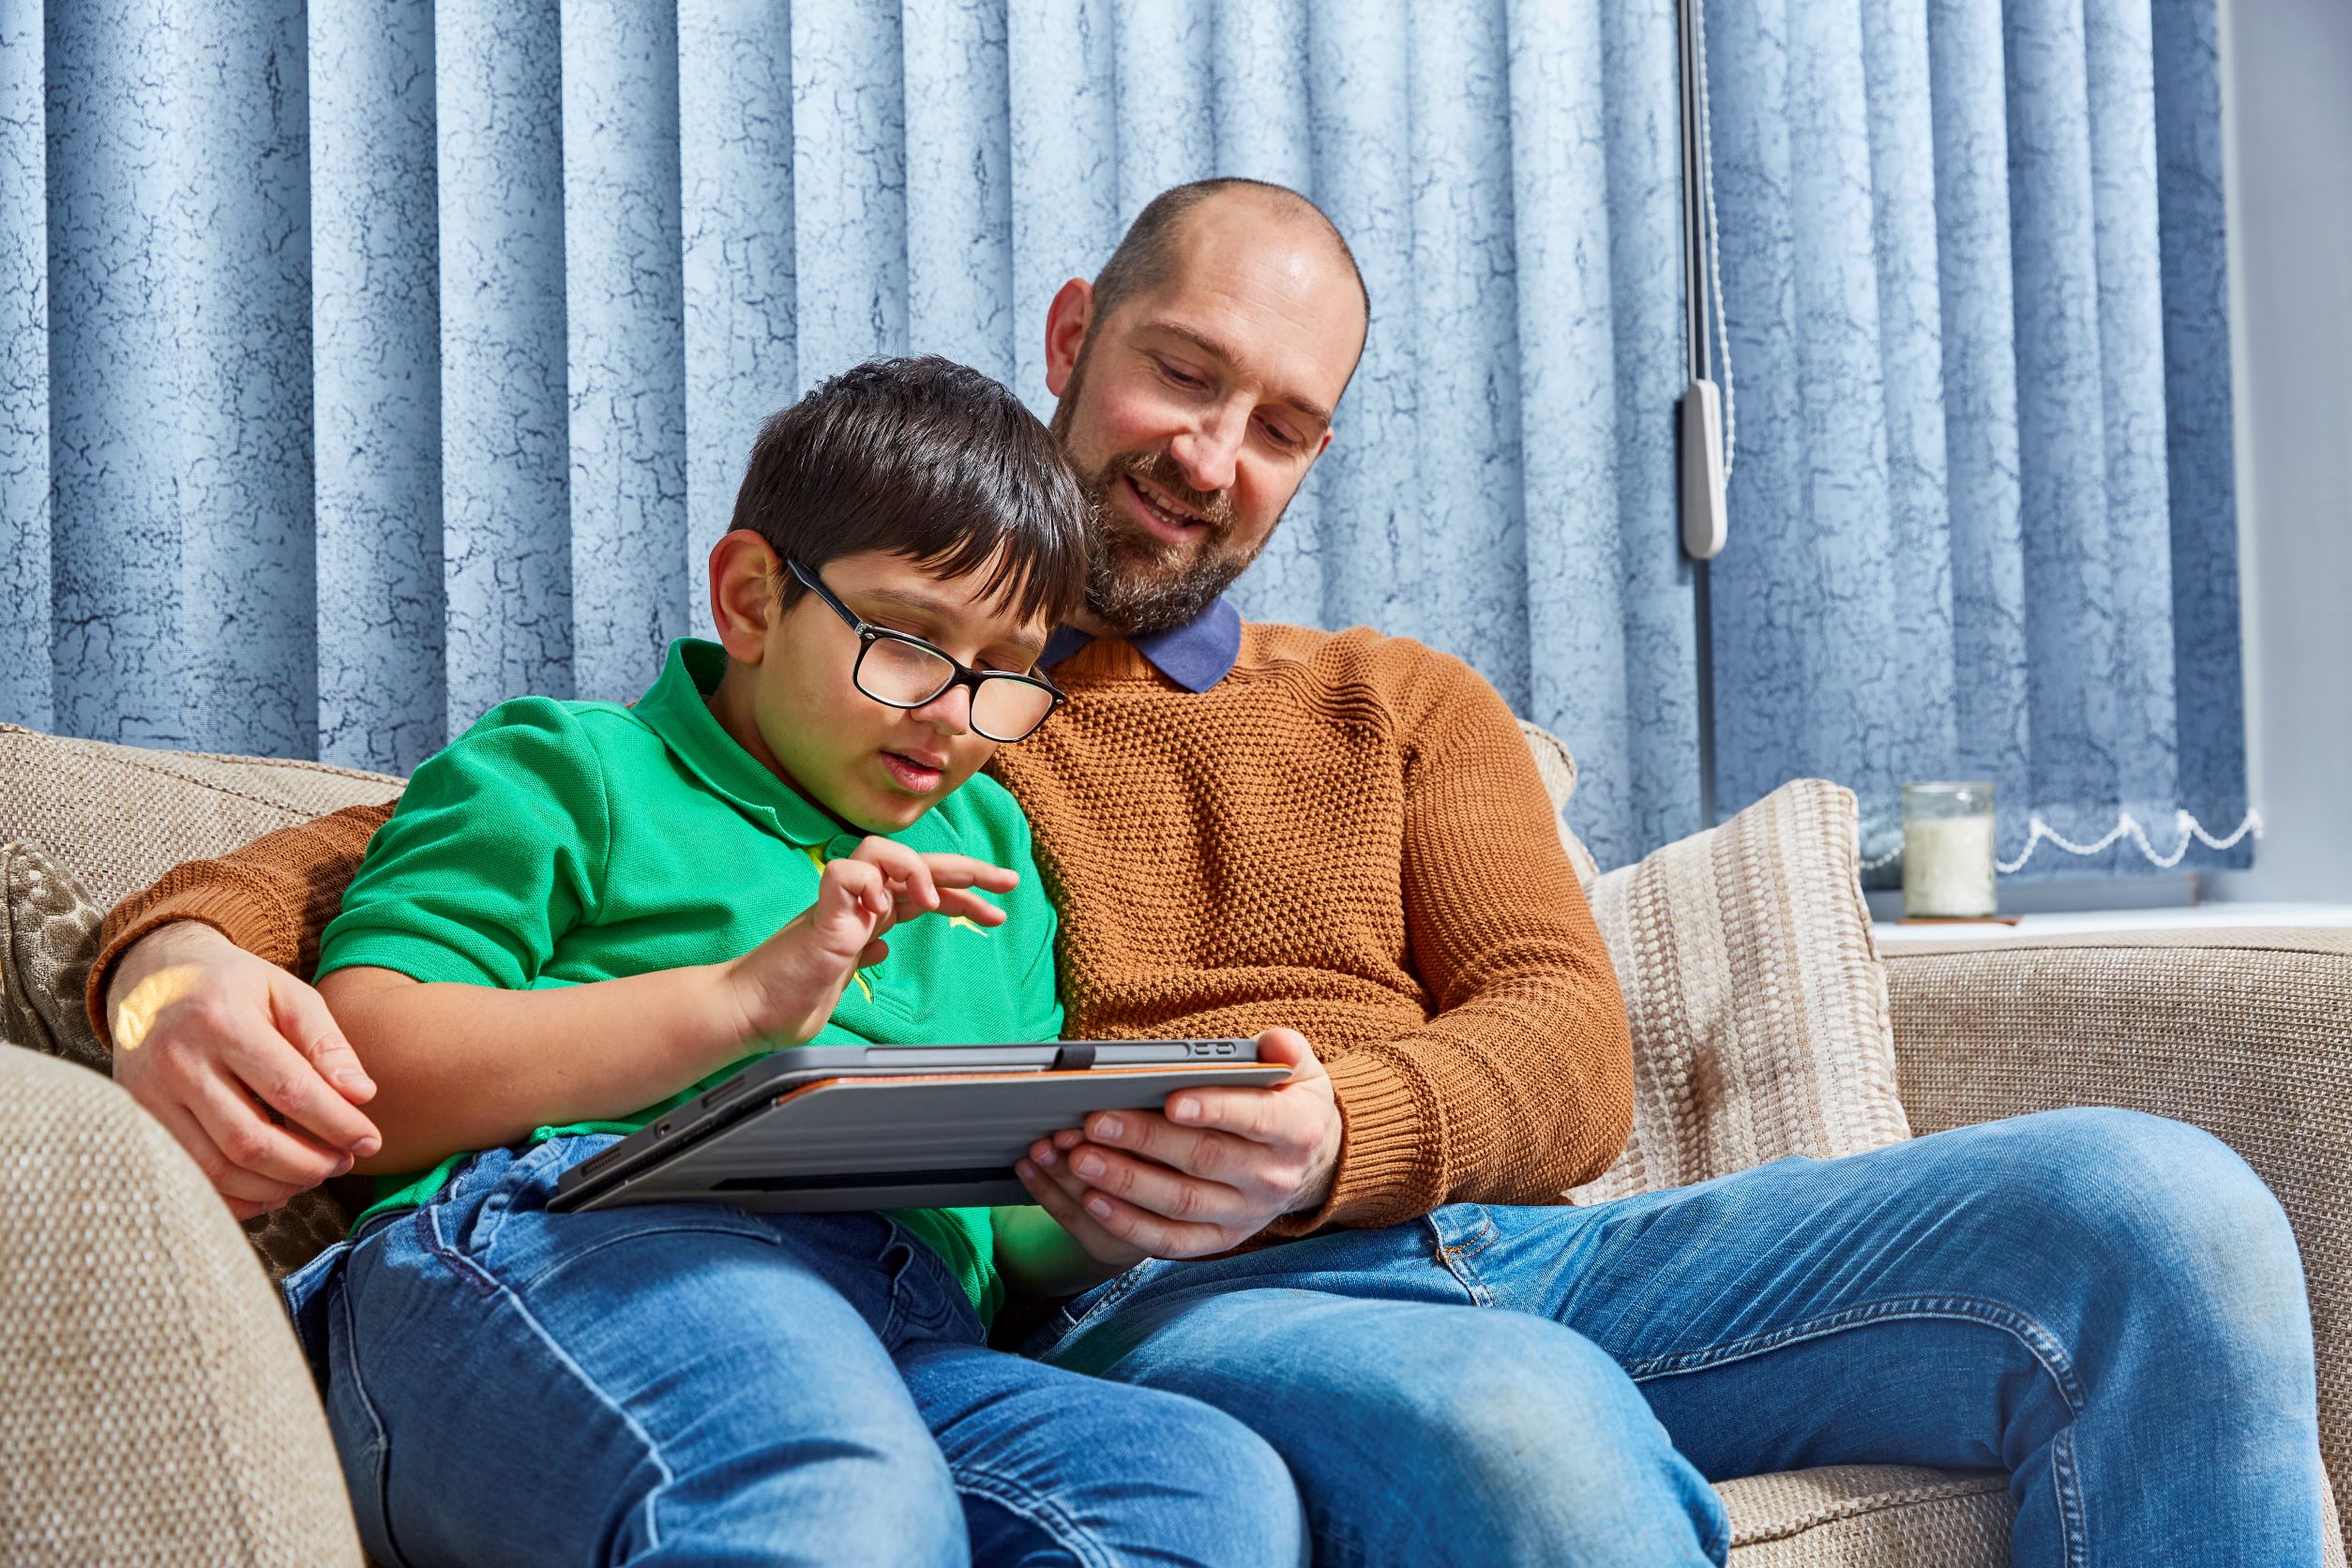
[[1257, 828]]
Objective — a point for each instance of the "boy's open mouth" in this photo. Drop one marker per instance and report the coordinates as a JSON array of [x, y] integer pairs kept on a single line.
[[915, 777]]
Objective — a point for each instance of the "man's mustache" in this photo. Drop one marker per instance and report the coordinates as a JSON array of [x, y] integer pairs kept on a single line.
[[1215, 507]]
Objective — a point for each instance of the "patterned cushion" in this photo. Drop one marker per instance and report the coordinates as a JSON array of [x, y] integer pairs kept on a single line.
[[1758, 1002], [1557, 768], [50, 925]]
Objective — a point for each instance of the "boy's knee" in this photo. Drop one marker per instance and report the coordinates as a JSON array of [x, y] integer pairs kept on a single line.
[[1522, 1441]]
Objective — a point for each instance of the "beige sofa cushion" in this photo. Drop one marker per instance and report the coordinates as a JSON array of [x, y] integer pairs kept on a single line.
[[121, 816], [153, 1407], [1758, 1002], [1869, 1516]]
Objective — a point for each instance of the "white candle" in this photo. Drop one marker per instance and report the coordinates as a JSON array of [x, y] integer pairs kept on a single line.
[[1947, 866]]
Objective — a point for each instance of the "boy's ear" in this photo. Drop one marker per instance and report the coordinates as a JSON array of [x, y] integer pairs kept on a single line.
[[1066, 321], [744, 580]]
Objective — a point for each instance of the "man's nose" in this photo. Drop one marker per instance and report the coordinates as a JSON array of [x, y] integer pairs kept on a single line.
[[1208, 452]]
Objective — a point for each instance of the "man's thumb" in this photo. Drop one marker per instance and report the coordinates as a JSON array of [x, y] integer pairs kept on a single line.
[[1285, 1048], [303, 1019]]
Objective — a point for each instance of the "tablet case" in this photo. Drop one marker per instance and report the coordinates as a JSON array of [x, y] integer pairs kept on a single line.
[[904, 1143]]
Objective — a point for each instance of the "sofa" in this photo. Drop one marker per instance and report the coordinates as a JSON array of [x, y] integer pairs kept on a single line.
[[154, 1406]]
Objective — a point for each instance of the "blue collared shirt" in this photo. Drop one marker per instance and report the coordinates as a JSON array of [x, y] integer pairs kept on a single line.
[[1195, 656]]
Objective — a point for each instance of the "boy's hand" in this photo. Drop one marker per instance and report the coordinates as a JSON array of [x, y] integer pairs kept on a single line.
[[789, 984], [1219, 1166]]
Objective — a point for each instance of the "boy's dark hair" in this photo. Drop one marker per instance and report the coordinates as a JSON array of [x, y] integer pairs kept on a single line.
[[928, 459]]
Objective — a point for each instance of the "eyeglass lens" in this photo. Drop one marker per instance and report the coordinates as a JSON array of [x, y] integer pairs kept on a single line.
[[907, 676]]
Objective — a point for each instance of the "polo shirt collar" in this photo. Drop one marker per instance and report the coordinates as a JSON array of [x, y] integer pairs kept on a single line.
[[676, 710], [1195, 656]]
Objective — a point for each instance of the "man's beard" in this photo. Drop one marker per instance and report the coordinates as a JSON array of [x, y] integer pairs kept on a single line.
[[1136, 584]]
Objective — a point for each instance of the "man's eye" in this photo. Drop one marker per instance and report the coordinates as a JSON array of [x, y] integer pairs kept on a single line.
[[1190, 383], [1282, 438]]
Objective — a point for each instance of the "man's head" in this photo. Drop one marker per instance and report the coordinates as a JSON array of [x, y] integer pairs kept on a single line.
[[928, 504], [1197, 378]]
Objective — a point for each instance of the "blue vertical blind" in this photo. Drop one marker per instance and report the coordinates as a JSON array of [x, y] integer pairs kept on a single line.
[[369, 364], [1984, 520]]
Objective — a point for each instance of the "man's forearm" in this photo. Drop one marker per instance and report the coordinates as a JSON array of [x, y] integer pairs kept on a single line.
[[271, 898], [475, 1067]]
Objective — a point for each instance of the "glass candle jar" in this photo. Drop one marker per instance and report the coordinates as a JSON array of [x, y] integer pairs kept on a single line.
[[1948, 852]]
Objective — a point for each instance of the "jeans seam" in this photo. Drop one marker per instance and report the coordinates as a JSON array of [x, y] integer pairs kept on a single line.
[[563, 1359], [1039, 1510], [2039, 1342], [382, 1447]]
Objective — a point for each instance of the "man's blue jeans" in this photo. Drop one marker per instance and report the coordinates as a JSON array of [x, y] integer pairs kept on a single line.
[[679, 1384], [2108, 1307]]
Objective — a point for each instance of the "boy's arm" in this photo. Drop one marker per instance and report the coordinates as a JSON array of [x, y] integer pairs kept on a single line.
[[468, 1065]]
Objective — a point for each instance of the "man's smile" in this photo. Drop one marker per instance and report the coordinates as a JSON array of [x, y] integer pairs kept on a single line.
[[1162, 515]]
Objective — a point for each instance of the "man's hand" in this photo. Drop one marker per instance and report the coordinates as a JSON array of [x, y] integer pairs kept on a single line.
[[210, 1038], [787, 986], [1218, 1168]]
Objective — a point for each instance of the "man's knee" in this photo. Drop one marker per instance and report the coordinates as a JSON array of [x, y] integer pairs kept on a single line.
[[2166, 1213]]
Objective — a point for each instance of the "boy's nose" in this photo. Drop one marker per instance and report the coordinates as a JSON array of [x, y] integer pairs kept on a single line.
[[950, 710]]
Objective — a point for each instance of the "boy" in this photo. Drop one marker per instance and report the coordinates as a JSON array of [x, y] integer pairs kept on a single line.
[[582, 914]]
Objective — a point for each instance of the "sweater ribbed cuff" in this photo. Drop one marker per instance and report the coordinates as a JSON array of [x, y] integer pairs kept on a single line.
[[211, 893], [1385, 1156]]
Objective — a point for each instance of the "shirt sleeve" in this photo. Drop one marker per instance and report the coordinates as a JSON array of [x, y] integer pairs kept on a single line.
[[1521, 1086], [497, 849]]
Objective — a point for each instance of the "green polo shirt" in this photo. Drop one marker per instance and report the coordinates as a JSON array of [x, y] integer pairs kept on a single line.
[[559, 843]]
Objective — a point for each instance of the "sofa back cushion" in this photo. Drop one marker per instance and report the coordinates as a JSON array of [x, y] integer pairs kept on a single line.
[[121, 816], [1758, 1002]]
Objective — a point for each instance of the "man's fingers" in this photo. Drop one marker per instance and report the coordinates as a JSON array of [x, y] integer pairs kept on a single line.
[[286, 1078], [302, 1018], [246, 1192], [1256, 1114], [1156, 1188], [1161, 1238], [246, 1140]]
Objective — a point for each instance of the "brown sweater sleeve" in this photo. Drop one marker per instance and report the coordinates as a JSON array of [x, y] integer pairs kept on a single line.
[[1521, 1085], [271, 897]]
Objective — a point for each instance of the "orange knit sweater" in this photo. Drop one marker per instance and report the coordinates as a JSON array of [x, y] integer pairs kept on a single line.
[[1346, 835]]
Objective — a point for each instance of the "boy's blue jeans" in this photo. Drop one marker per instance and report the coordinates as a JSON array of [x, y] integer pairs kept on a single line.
[[2108, 1307], [680, 1384]]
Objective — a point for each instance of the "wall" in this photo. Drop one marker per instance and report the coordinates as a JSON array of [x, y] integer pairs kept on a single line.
[[2289, 119]]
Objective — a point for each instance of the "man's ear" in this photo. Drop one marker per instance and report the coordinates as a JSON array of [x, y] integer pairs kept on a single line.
[[1066, 321], [745, 578]]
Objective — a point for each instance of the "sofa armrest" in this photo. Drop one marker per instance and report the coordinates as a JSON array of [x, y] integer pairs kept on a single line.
[[2244, 1033], [154, 1404]]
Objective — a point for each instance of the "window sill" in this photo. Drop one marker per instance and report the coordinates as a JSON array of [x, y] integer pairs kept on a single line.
[[2197, 917]]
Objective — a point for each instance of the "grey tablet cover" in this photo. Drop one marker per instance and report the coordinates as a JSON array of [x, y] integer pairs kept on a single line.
[[905, 1142]]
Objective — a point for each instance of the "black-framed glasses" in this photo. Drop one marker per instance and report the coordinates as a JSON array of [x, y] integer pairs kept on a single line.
[[902, 671]]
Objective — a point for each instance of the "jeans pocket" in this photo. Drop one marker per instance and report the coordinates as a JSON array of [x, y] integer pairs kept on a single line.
[[923, 1295], [526, 1182]]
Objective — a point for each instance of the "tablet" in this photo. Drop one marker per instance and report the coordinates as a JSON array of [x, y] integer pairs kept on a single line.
[[826, 1128]]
